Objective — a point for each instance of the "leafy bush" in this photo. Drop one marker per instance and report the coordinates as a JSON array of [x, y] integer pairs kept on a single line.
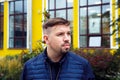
[[26, 55], [105, 65], [10, 68]]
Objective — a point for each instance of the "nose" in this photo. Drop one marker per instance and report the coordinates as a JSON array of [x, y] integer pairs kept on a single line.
[[66, 37]]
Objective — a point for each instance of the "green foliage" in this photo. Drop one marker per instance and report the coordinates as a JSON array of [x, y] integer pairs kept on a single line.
[[10, 68], [27, 55], [105, 65], [46, 15]]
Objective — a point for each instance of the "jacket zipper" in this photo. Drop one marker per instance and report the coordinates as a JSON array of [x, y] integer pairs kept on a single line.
[[50, 72], [58, 73]]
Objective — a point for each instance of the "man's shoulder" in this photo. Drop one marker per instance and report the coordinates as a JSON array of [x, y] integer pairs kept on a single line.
[[77, 57], [35, 60]]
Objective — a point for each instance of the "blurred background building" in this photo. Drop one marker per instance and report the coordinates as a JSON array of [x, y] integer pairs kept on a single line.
[[21, 23]]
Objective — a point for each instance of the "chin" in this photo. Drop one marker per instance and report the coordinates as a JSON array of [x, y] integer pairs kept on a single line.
[[66, 50]]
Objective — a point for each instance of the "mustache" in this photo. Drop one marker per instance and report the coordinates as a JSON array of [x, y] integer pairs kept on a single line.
[[66, 43]]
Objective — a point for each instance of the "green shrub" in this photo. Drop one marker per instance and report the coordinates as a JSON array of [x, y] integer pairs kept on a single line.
[[28, 55], [10, 68], [105, 65]]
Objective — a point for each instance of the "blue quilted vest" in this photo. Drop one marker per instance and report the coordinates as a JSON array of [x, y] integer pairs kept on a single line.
[[73, 67]]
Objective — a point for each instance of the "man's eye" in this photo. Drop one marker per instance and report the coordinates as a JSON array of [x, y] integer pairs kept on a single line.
[[60, 34], [69, 33]]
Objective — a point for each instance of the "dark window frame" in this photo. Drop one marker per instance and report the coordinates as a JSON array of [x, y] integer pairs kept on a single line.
[[1, 24], [18, 35], [88, 35]]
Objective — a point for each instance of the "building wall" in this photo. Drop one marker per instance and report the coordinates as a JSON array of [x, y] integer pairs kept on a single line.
[[36, 26], [35, 33]]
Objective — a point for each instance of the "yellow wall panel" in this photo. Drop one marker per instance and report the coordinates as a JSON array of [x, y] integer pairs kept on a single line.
[[113, 19], [5, 25], [36, 21], [119, 23], [75, 23]]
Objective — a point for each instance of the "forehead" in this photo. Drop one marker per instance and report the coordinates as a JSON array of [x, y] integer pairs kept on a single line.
[[60, 27]]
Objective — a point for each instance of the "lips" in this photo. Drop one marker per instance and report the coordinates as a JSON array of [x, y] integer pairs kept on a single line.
[[66, 45]]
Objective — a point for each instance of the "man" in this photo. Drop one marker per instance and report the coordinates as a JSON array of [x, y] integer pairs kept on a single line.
[[57, 62]]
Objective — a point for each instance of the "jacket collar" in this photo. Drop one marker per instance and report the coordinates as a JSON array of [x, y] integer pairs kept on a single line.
[[46, 57]]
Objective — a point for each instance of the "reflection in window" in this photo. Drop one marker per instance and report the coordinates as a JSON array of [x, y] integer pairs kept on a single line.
[[1, 24], [17, 23], [93, 2], [70, 14], [18, 6], [105, 1], [83, 19], [83, 41], [69, 3], [83, 2], [94, 21], [61, 13], [105, 19], [60, 4]]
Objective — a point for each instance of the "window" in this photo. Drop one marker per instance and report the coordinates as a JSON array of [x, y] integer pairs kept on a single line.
[[1, 24], [61, 8], [17, 23], [94, 17]]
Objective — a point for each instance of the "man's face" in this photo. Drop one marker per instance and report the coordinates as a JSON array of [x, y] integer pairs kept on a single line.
[[59, 38]]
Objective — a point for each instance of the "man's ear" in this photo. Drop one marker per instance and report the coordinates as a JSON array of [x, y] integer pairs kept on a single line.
[[45, 37]]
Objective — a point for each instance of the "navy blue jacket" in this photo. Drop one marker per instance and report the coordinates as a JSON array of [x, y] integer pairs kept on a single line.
[[73, 67]]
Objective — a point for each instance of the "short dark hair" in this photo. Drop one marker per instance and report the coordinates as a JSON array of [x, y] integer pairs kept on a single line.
[[55, 21]]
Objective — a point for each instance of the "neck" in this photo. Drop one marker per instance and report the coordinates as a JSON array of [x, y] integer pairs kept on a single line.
[[54, 56]]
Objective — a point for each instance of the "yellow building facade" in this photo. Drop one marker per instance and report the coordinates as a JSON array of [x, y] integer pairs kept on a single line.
[[21, 23]]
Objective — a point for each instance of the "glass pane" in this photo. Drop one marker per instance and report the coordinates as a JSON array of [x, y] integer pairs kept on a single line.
[[1, 41], [25, 25], [1, 23], [83, 41], [1, 8], [106, 19], [18, 25], [25, 6], [90, 2], [18, 43], [106, 1], [95, 41], [70, 15], [83, 2], [18, 7], [11, 26], [11, 43], [52, 14], [1, 31], [83, 21], [11, 8], [69, 3], [24, 43], [61, 13], [94, 19], [60, 3], [51, 4], [106, 41]]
